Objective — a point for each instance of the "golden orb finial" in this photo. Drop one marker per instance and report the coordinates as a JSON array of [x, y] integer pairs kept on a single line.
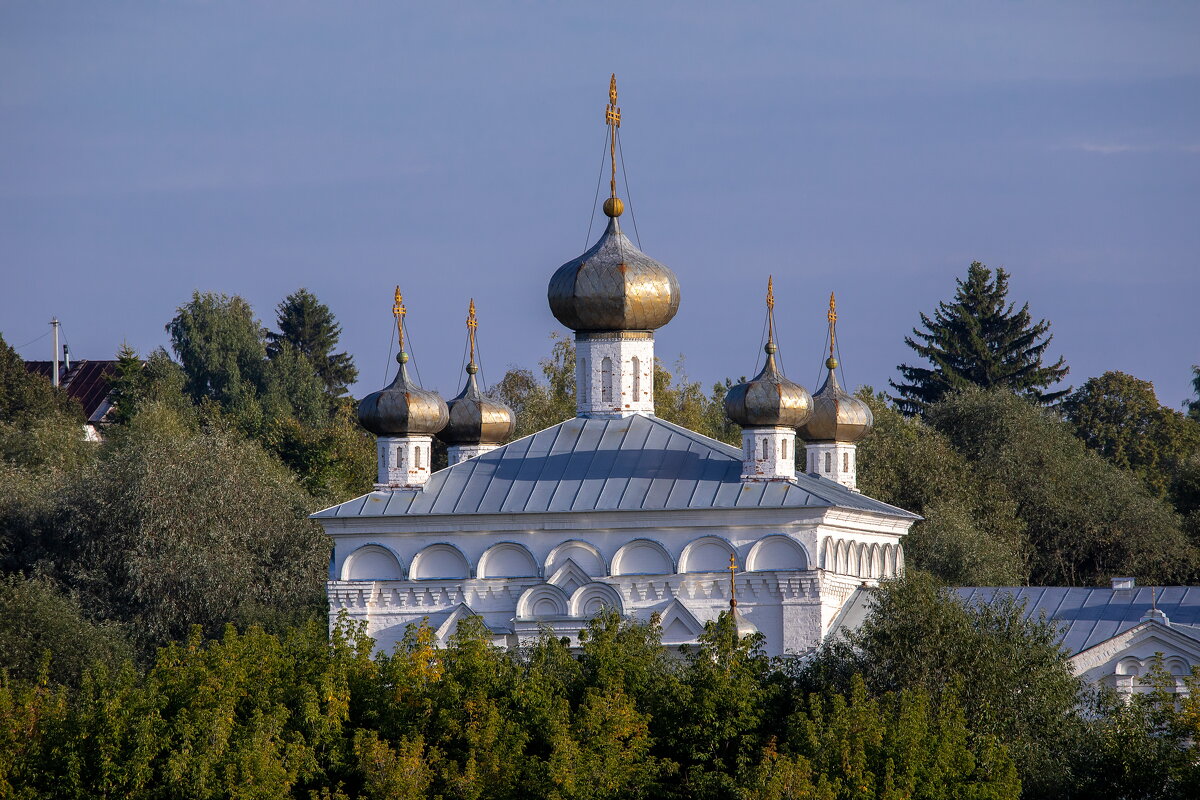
[[614, 207]]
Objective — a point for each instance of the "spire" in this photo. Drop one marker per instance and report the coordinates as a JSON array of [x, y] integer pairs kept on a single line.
[[831, 362], [398, 311], [613, 207], [472, 326]]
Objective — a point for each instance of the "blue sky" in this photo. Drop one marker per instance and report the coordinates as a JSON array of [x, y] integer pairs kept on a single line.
[[147, 150]]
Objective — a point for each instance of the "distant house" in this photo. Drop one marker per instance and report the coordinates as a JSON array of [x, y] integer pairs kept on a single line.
[[87, 382]]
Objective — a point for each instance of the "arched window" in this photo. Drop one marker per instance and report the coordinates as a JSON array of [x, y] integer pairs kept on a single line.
[[845, 462], [828, 462], [766, 452], [637, 379], [417, 462], [606, 394], [581, 380], [784, 454]]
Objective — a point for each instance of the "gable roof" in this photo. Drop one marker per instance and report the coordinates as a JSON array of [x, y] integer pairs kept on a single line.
[[632, 463], [88, 382], [1088, 616]]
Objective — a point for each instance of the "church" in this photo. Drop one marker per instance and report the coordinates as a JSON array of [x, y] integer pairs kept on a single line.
[[616, 508]]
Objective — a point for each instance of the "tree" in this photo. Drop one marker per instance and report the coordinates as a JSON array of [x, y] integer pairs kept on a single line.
[[1119, 417], [308, 325], [23, 394], [1085, 519], [979, 340], [971, 534], [1007, 671], [221, 348]]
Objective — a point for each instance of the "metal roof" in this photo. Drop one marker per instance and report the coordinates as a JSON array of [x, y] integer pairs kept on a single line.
[[629, 464], [1089, 616], [87, 381]]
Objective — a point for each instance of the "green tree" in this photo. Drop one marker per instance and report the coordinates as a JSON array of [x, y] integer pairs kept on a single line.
[[978, 339], [1119, 417], [222, 349], [971, 533], [1085, 519], [23, 394], [1007, 671], [307, 324]]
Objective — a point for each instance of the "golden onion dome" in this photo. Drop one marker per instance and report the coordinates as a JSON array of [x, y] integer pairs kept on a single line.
[[476, 419], [837, 415], [613, 286], [403, 408], [768, 399]]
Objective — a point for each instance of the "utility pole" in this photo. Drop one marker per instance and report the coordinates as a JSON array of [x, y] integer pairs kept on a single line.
[[54, 325]]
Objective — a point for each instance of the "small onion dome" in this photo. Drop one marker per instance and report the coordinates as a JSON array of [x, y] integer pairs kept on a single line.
[[403, 408], [613, 286], [475, 419], [768, 399], [837, 416]]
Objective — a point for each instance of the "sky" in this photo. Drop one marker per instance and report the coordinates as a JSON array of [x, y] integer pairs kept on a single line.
[[148, 150]]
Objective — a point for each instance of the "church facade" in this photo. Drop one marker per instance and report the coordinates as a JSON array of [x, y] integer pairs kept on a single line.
[[614, 508]]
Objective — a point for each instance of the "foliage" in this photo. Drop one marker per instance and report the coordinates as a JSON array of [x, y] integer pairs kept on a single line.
[[978, 339], [1119, 417], [300, 714], [24, 395], [1193, 405], [971, 534], [172, 526], [308, 326], [1007, 671], [42, 629], [1085, 519]]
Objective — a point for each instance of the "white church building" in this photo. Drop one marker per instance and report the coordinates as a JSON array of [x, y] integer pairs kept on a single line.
[[617, 508]]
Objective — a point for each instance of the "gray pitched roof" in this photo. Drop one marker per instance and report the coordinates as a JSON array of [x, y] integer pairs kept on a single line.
[[1088, 616], [627, 464]]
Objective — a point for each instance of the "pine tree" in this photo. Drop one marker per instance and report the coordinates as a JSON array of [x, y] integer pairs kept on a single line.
[[309, 326], [978, 339]]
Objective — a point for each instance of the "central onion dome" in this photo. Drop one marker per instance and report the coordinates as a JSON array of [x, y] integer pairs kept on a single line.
[[403, 408], [769, 399], [613, 286], [837, 415]]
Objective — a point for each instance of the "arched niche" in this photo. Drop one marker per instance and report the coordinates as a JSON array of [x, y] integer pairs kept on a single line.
[[852, 563], [840, 565], [507, 560], [706, 554], [642, 557], [876, 562], [440, 561], [775, 553], [372, 562], [590, 600], [584, 554], [828, 555], [543, 602], [889, 559]]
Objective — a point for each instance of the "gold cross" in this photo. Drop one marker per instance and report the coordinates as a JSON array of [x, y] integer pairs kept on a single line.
[[472, 326], [398, 311]]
